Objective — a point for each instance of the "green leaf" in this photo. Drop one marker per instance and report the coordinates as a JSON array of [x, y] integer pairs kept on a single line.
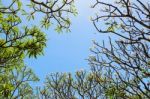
[[19, 4], [111, 29]]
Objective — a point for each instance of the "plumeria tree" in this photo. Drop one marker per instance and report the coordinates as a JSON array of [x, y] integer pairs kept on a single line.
[[120, 67], [127, 57], [16, 82], [18, 41]]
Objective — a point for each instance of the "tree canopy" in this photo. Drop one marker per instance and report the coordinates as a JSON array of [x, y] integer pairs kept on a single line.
[[18, 41], [118, 70]]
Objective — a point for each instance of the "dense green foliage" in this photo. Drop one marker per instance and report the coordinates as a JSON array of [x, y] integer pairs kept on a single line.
[[15, 82]]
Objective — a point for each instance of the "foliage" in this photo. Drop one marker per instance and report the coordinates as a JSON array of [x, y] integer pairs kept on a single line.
[[14, 81], [118, 71], [18, 41], [64, 85], [54, 11]]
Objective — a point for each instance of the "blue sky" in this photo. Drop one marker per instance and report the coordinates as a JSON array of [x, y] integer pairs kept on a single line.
[[67, 52]]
